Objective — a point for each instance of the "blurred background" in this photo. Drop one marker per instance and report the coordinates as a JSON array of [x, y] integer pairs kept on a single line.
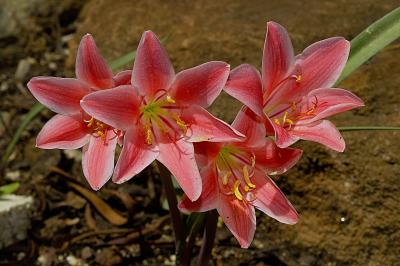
[[348, 202]]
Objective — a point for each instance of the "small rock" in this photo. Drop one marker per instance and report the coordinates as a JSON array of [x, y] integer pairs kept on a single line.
[[15, 212], [134, 250], [13, 175], [74, 261], [86, 253], [23, 69], [73, 154], [108, 257]]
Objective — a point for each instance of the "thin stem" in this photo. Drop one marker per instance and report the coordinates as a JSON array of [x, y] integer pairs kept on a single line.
[[208, 238], [363, 128], [194, 226], [176, 217]]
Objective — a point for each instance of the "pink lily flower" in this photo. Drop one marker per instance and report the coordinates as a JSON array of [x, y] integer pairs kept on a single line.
[[163, 114], [235, 179], [72, 128], [297, 93]]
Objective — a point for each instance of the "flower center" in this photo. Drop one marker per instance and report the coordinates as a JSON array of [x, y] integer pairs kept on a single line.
[[100, 129], [235, 170], [162, 115], [294, 113]]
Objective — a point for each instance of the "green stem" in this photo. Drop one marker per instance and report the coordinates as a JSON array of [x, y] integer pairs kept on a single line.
[[364, 128], [194, 224], [176, 216], [208, 238]]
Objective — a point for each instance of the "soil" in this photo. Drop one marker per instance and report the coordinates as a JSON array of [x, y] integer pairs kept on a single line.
[[348, 202]]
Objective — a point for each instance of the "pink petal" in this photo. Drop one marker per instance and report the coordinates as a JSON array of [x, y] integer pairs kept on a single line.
[[239, 217], [322, 62], [244, 84], [323, 132], [136, 155], [203, 126], [98, 159], [178, 157], [251, 126], [270, 200], [209, 196], [282, 96], [152, 71], [123, 78], [90, 65], [61, 95], [206, 152], [283, 137], [278, 56], [118, 107], [63, 132], [200, 85], [330, 102], [276, 160]]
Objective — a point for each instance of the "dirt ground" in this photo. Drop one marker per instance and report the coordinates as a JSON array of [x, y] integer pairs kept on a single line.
[[348, 202]]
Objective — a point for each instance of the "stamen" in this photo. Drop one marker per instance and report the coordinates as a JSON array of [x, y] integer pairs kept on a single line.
[[236, 191], [90, 122], [149, 138], [276, 120], [180, 123], [225, 178], [298, 78], [253, 160], [170, 100], [293, 107], [290, 122], [284, 117], [247, 177]]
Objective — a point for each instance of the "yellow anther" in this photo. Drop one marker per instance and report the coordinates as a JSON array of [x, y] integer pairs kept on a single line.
[[247, 177], [170, 100], [236, 191], [180, 123], [90, 122], [246, 188], [149, 138], [225, 178], [101, 134], [276, 120], [290, 122], [284, 117], [298, 78]]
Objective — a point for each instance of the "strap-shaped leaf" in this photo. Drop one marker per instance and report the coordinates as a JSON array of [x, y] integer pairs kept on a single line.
[[373, 39]]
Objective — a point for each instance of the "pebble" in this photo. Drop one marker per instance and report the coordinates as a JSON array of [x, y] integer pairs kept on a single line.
[[23, 68], [15, 213]]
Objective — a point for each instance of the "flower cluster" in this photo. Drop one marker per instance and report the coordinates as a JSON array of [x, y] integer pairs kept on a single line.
[[155, 114]]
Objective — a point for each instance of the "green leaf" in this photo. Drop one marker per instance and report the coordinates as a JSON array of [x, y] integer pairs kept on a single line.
[[123, 60], [33, 112], [372, 40], [8, 189], [368, 128]]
